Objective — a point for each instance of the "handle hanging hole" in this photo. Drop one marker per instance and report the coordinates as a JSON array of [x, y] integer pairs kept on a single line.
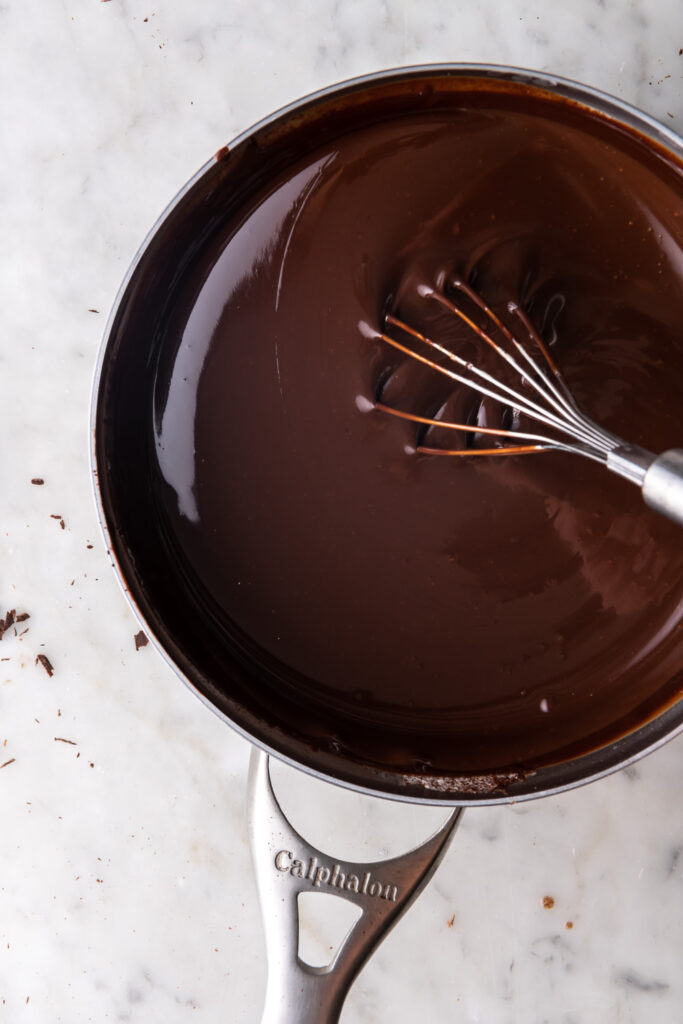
[[325, 922]]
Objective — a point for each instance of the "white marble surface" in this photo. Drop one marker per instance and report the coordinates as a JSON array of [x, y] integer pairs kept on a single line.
[[126, 891]]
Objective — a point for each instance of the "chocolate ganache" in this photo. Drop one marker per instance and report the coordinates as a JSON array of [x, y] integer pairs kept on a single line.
[[429, 613]]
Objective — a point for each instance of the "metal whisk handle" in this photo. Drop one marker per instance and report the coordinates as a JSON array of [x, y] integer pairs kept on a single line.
[[660, 477]]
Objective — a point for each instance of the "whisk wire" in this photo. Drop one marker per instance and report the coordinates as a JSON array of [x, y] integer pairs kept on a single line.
[[546, 389], [660, 477], [560, 389], [558, 411], [520, 401]]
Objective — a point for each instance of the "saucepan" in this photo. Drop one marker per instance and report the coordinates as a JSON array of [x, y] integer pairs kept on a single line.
[[185, 626]]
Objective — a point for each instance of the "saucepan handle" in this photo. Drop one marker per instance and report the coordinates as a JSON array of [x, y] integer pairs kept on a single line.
[[286, 865]]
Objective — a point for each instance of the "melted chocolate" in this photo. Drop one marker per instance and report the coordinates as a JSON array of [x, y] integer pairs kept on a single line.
[[428, 614]]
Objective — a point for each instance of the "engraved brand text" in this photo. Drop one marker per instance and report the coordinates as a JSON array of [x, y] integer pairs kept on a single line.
[[324, 874]]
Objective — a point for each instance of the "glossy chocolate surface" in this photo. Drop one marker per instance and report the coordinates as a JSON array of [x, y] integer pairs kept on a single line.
[[425, 614]]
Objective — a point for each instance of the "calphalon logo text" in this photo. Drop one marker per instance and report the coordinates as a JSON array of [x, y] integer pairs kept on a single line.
[[322, 874]]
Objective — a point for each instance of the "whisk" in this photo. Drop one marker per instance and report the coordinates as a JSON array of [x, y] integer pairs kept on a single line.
[[546, 398]]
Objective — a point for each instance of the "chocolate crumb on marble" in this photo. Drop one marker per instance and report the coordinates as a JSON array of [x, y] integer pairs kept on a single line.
[[141, 640], [7, 622], [56, 515], [38, 481], [43, 660], [60, 739], [11, 761], [548, 902]]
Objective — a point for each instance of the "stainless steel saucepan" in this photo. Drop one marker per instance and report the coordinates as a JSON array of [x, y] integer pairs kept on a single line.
[[285, 863]]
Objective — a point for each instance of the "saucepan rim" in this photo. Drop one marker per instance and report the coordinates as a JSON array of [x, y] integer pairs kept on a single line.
[[547, 780]]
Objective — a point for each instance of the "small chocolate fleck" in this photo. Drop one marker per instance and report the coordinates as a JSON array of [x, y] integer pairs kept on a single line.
[[7, 622], [56, 515], [569, 925], [22, 617], [141, 640], [451, 921], [93, 310], [60, 739], [37, 480], [89, 546], [548, 902], [11, 761], [45, 662]]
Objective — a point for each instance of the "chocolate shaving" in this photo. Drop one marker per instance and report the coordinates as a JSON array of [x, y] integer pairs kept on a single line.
[[38, 481], [54, 515], [141, 640], [8, 621], [11, 761], [60, 739], [45, 662], [22, 617]]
